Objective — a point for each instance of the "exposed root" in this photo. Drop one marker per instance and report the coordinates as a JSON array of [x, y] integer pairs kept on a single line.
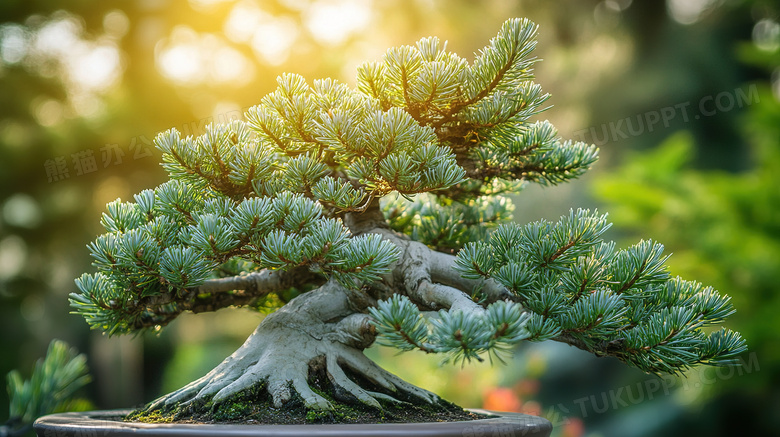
[[315, 344], [309, 338]]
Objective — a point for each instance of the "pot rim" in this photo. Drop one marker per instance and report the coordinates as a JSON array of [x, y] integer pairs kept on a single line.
[[103, 422]]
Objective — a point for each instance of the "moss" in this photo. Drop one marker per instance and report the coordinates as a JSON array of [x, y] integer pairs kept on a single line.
[[254, 405], [314, 416], [154, 416], [231, 412]]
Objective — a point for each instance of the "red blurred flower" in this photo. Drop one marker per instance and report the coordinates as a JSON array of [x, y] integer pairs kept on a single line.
[[573, 427], [502, 399]]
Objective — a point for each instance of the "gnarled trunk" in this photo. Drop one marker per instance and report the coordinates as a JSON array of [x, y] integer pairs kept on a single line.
[[320, 331], [325, 331]]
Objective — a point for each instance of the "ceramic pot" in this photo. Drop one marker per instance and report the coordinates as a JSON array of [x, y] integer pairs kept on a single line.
[[109, 424]]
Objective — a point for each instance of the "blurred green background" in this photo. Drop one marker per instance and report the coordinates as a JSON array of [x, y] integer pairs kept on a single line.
[[681, 96]]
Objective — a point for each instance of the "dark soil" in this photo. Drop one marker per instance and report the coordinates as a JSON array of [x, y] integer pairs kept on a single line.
[[253, 406]]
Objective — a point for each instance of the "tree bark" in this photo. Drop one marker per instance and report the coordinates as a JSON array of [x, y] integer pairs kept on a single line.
[[326, 331]]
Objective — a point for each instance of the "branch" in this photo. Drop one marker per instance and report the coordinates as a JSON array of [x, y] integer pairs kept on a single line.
[[441, 267], [442, 296], [431, 280], [257, 283], [369, 220], [216, 294], [573, 341]]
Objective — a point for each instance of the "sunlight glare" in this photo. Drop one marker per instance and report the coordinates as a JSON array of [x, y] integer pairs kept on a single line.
[[58, 36], [273, 39], [229, 65], [85, 66], [182, 60], [95, 68], [242, 22], [189, 58], [181, 63], [206, 4], [333, 21]]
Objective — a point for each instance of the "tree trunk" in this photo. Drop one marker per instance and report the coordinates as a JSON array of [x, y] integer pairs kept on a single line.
[[324, 332], [320, 332]]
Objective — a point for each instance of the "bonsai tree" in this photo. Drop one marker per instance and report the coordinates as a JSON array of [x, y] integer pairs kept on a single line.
[[379, 212]]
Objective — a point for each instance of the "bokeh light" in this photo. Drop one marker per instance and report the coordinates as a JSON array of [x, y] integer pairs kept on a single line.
[[766, 35], [190, 58], [333, 21], [690, 11], [273, 39], [13, 43]]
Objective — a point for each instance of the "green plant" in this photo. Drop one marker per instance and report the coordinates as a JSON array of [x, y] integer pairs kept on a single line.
[[382, 207], [51, 388], [724, 225]]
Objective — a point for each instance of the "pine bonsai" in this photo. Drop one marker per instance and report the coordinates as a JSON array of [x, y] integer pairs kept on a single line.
[[350, 215]]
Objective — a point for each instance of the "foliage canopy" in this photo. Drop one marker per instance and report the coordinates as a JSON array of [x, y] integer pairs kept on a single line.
[[438, 141]]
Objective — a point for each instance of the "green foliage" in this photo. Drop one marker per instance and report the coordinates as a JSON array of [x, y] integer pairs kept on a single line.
[[576, 288], [329, 130], [270, 193], [721, 225], [463, 336], [446, 225], [480, 111], [54, 381], [151, 267], [611, 302]]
